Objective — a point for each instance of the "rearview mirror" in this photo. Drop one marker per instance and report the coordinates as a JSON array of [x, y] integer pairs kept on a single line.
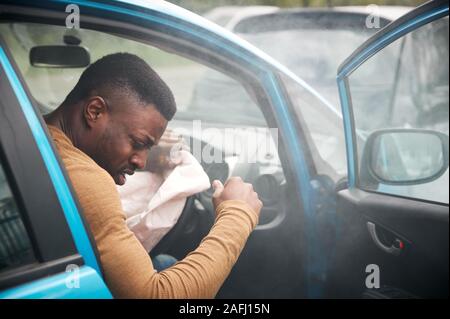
[[59, 56], [404, 157]]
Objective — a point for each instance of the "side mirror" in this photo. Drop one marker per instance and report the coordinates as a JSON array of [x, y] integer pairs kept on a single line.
[[59, 56], [404, 157]]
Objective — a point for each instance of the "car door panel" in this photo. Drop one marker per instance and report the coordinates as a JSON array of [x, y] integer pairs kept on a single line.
[[63, 285], [405, 237], [22, 142], [421, 266]]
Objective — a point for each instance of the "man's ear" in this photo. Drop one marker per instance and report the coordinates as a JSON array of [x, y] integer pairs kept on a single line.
[[95, 110]]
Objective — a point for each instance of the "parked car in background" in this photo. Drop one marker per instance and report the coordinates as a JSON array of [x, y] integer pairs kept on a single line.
[[383, 11], [313, 42]]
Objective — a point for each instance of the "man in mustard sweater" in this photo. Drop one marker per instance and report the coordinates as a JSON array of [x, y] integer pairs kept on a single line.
[[103, 131]]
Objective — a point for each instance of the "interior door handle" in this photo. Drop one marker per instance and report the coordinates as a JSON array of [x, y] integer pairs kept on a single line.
[[395, 249]]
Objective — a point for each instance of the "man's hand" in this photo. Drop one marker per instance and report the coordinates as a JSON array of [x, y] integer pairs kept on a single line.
[[236, 189], [165, 156]]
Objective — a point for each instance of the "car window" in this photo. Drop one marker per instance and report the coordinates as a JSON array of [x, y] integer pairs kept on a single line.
[[200, 91], [413, 93], [222, 123], [327, 38], [15, 245]]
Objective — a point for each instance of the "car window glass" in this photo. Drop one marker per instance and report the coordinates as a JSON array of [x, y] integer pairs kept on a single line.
[[15, 246], [412, 93], [199, 91], [222, 123], [327, 38], [324, 126]]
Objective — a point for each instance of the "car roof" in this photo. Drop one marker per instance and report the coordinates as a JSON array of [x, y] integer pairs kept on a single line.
[[190, 17], [236, 13], [388, 12], [327, 17]]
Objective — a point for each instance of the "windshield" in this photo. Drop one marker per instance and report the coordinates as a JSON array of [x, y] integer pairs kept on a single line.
[[311, 48], [316, 54], [200, 91], [323, 128]]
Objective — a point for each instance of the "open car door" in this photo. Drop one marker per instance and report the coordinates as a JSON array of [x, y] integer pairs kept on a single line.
[[393, 214]]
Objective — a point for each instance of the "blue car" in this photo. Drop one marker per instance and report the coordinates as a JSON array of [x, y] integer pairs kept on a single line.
[[355, 202]]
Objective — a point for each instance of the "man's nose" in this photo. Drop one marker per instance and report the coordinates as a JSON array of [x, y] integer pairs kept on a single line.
[[138, 160]]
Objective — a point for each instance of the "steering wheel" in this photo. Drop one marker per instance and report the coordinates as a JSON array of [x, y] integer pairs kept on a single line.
[[178, 230], [198, 206]]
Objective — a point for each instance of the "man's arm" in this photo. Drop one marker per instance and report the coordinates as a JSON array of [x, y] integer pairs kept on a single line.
[[127, 266]]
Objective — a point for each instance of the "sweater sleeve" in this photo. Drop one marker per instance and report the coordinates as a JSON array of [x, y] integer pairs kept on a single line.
[[128, 269]]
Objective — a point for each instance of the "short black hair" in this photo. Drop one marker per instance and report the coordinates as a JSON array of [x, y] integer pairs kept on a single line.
[[130, 74]]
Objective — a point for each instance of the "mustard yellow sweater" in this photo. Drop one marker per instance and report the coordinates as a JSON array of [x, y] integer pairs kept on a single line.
[[128, 269]]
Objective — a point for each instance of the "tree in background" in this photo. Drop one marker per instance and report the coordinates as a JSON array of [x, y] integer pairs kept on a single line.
[[200, 6]]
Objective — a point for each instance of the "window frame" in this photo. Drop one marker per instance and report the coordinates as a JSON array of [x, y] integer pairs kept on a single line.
[[262, 82], [210, 57], [423, 15], [35, 196]]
